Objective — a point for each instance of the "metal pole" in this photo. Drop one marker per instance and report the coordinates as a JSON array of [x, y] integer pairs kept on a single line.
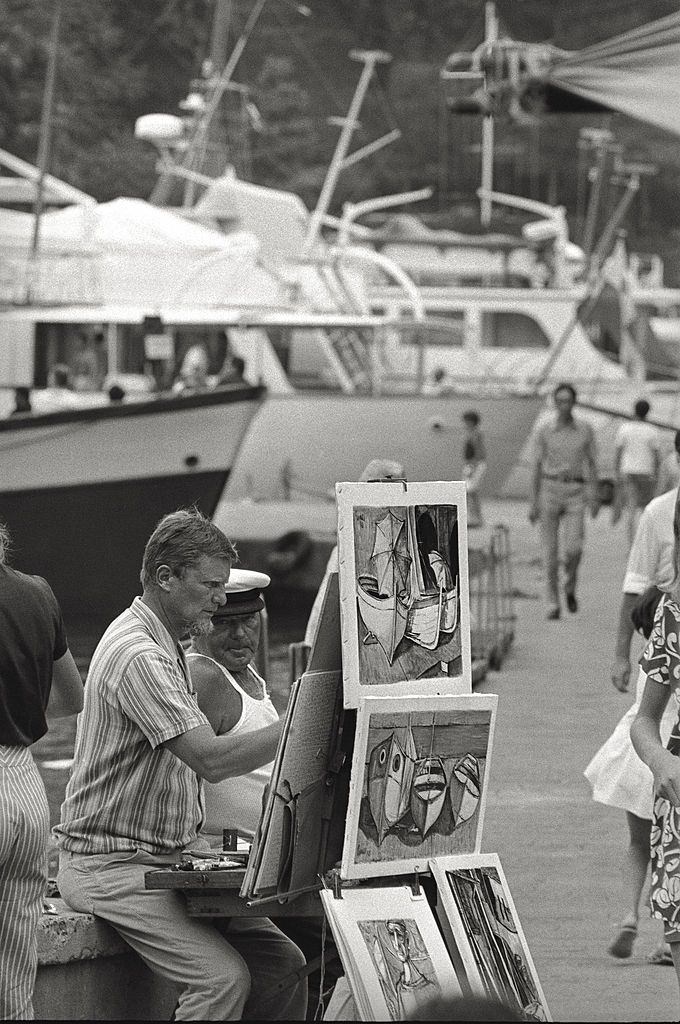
[[370, 58], [201, 133], [490, 36], [45, 132]]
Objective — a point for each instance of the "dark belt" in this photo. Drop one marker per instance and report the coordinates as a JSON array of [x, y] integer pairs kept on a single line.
[[564, 478]]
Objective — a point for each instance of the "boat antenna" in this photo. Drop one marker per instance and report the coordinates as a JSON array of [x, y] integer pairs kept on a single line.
[[490, 37], [44, 145], [348, 124], [197, 145]]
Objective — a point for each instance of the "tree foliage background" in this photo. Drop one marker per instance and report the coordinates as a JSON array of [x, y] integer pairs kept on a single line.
[[119, 59]]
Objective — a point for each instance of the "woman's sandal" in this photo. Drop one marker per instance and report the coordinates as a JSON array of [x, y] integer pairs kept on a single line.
[[622, 946], [661, 955]]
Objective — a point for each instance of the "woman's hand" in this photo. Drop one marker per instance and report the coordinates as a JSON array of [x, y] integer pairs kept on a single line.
[[667, 777]]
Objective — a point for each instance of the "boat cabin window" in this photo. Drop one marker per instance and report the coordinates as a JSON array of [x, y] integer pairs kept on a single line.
[[70, 355], [511, 330], [453, 336]]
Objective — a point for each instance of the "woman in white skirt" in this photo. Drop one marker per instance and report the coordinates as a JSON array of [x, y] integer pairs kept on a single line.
[[620, 779]]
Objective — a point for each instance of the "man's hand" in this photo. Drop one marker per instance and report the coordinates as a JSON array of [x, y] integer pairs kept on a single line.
[[534, 513], [621, 674]]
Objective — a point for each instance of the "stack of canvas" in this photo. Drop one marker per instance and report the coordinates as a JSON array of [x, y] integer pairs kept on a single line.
[[388, 693], [420, 766]]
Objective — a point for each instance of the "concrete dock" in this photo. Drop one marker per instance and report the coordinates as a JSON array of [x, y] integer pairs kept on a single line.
[[562, 852]]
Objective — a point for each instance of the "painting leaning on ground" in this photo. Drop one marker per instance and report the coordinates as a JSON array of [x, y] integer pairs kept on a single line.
[[481, 921]]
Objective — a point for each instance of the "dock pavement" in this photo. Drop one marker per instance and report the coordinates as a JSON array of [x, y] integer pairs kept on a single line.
[[562, 852]]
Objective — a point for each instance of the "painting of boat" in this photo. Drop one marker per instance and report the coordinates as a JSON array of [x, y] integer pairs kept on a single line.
[[428, 793], [403, 594], [465, 788], [384, 592], [390, 775]]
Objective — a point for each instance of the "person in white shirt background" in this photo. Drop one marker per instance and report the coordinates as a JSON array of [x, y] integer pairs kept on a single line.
[[636, 466]]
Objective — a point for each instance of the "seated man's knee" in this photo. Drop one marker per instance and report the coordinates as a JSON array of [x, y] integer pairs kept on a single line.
[[228, 978]]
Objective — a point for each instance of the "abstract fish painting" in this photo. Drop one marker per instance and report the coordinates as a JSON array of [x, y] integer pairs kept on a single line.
[[404, 603], [419, 780], [390, 775]]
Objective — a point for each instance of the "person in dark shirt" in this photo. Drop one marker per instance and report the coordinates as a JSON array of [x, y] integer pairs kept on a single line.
[[37, 673], [474, 464]]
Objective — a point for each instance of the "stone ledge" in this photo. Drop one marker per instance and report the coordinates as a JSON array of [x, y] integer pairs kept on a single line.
[[69, 936]]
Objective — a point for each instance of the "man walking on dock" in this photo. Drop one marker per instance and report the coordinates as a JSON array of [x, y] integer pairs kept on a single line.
[[564, 481]]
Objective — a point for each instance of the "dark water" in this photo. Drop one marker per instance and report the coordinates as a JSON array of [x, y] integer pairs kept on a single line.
[[56, 747]]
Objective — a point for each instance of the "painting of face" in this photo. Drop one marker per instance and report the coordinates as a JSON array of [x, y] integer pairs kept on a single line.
[[395, 959], [405, 971], [478, 913], [419, 779], [403, 587]]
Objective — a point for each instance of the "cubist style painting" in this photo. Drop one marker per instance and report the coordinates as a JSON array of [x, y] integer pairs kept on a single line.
[[419, 781]]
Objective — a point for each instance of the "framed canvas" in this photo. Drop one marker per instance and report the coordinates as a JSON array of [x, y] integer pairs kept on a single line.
[[292, 839], [485, 938], [395, 959], [404, 591], [420, 771]]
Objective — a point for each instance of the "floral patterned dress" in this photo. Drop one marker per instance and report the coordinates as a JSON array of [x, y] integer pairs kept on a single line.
[[661, 662]]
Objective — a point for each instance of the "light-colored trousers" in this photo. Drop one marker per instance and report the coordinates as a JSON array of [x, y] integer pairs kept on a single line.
[[227, 969], [24, 826], [564, 504]]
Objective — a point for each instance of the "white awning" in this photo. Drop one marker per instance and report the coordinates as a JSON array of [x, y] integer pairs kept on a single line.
[[637, 72]]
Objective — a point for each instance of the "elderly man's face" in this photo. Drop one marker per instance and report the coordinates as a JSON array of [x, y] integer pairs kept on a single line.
[[234, 640]]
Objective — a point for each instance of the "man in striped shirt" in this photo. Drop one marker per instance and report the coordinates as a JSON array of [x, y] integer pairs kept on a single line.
[[134, 801]]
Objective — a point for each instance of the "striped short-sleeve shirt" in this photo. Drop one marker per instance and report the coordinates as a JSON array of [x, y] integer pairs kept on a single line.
[[127, 791]]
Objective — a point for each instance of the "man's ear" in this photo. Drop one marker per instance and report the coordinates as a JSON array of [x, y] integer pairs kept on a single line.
[[164, 577]]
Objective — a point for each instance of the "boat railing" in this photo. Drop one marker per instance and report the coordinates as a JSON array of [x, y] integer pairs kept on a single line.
[[61, 278]]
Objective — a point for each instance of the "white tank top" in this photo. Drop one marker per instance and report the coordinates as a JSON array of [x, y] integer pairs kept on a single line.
[[237, 802]]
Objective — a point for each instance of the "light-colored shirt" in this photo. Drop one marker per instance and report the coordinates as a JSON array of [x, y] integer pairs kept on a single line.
[[638, 443], [650, 560], [127, 791], [562, 449], [669, 473], [236, 802]]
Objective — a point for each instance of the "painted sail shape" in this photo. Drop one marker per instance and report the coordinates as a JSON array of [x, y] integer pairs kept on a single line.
[[383, 594], [502, 911], [433, 610], [464, 788], [428, 792], [390, 774]]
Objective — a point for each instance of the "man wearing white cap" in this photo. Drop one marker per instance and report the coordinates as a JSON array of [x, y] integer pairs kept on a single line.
[[233, 697]]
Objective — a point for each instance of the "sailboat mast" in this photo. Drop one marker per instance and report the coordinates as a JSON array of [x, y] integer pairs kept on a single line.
[[44, 143], [490, 37], [370, 58]]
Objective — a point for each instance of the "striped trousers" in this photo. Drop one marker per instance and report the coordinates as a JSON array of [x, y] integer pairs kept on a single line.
[[24, 826]]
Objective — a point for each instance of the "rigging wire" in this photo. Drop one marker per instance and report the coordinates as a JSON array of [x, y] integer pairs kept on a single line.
[[337, 104]]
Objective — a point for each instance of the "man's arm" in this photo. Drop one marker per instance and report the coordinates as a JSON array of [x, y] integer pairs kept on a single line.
[[624, 634], [591, 470], [215, 758], [217, 698], [66, 694], [536, 479], [642, 569]]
